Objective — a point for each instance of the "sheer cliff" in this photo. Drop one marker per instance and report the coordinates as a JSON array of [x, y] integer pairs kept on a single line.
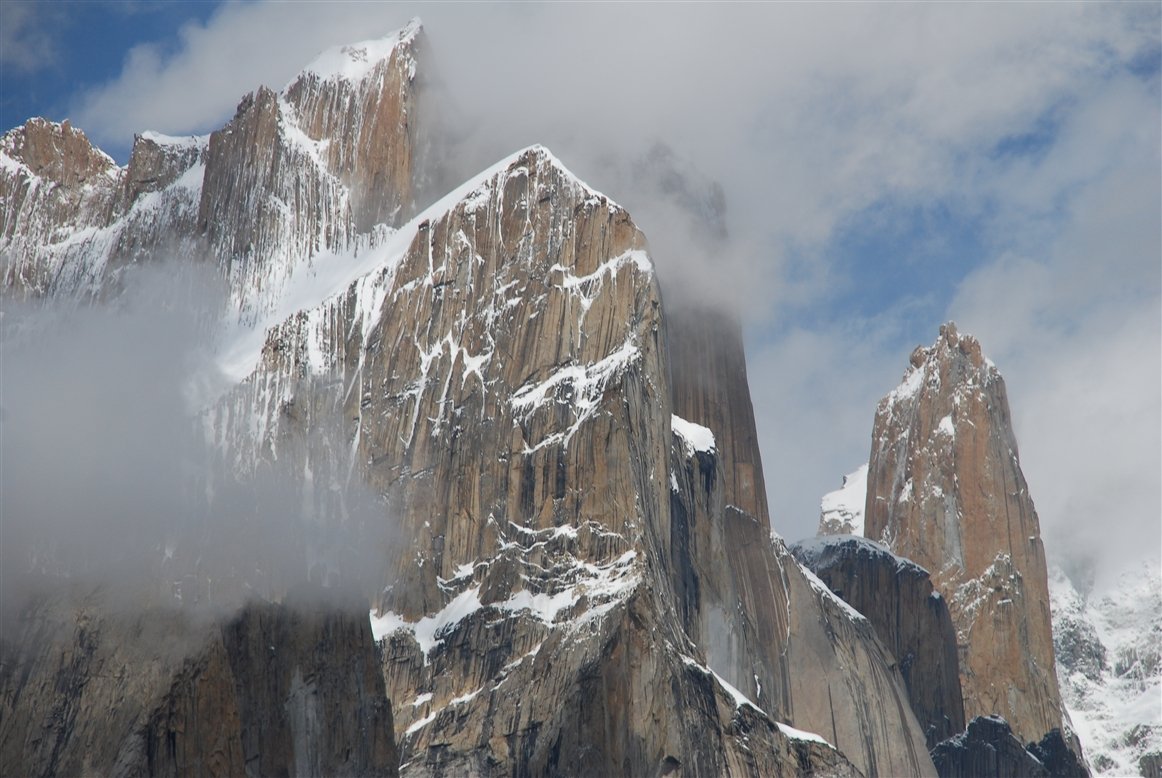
[[909, 616], [294, 175], [945, 489], [581, 576]]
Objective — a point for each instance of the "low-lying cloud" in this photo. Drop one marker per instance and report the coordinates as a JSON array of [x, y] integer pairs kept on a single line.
[[108, 477]]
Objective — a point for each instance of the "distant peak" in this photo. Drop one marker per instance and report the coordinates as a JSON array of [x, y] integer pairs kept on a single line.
[[354, 61]]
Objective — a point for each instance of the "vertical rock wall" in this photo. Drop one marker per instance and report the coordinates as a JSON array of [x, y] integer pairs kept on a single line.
[[945, 489]]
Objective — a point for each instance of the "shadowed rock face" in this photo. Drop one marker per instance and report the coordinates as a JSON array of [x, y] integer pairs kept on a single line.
[[945, 490], [987, 747], [831, 675], [274, 690], [909, 616]]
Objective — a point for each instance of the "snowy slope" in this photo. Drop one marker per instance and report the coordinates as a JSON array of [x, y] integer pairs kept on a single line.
[[1109, 665], [841, 511]]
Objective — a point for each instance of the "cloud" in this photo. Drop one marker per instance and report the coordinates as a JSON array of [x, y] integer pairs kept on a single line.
[[107, 477], [1033, 124], [1075, 324], [26, 42]]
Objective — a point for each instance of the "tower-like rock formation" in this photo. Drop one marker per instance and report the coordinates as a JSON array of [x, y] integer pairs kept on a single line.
[[945, 489], [583, 577], [328, 163]]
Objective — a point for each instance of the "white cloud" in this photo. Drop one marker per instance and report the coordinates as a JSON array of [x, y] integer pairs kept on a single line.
[[809, 114], [1076, 327], [26, 44]]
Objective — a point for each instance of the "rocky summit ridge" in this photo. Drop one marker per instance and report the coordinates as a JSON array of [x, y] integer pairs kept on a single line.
[[580, 575]]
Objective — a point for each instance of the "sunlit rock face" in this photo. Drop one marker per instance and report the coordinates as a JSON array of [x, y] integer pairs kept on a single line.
[[945, 489], [581, 575], [505, 385], [294, 176]]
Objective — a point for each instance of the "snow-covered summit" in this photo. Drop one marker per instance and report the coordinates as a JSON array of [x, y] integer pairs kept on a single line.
[[329, 274], [841, 511], [355, 61]]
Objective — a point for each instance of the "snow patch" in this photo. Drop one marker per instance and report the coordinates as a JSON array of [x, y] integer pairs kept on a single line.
[[946, 428], [579, 386], [694, 437], [176, 141], [800, 734], [603, 586], [354, 61], [843, 508]]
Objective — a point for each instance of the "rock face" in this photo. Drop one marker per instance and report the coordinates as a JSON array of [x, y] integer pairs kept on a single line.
[[274, 690], [945, 489], [832, 675], [314, 169], [583, 579], [909, 616], [546, 564]]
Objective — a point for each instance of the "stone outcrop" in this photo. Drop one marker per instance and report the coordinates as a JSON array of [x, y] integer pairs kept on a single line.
[[909, 616], [987, 747], [56, 191], [945, 489], [92, 687]]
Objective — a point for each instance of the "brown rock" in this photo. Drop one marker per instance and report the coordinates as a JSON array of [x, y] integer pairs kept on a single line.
[[524, 322], [55, 191], [945, 489]]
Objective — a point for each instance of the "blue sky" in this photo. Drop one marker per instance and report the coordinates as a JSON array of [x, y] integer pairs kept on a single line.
[[886, 167], [54, 50]]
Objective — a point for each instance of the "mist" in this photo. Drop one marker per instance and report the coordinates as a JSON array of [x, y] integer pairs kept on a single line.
[[108, 480]]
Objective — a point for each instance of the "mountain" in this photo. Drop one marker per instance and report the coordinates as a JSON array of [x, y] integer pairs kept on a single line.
[[483, 417], [841, 511], [945, 490], [327, 162], [1110, 667]]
